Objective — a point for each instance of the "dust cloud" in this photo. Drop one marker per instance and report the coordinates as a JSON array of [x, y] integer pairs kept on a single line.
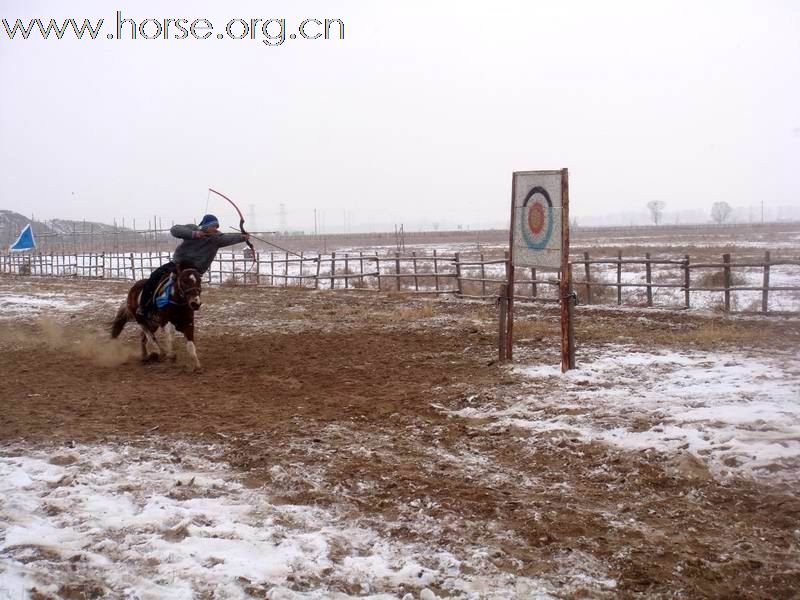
[[102, 352]]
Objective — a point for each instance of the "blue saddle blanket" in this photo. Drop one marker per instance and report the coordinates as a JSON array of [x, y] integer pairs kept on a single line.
[[163, 298]]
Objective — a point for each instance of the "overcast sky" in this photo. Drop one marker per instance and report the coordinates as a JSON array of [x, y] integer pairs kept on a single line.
[[419, 115]]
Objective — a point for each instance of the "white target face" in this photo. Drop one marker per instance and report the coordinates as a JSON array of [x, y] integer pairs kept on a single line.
[[537, 219]]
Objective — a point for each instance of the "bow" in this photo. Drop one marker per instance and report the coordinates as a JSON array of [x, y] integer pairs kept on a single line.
[[241, 222]]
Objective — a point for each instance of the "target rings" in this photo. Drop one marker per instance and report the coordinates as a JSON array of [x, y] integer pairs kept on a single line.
[[537, 222]]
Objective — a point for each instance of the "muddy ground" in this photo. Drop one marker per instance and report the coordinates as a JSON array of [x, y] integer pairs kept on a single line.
[[356, 388]]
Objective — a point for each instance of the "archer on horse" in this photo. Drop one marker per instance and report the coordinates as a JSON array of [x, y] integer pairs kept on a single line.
[[197, 251], [178, 283]]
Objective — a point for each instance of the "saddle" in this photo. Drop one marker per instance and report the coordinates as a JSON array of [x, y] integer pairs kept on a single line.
[[163, 290]]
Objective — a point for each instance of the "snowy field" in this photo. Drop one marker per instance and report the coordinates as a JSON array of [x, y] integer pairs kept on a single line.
[[147, 515]]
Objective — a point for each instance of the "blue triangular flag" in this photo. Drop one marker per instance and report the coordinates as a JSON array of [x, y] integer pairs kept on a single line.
[[25, 240]]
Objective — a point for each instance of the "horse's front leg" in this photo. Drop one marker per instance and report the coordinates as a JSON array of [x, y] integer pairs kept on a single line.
[[169, 328], [144, 347], [188, 331]]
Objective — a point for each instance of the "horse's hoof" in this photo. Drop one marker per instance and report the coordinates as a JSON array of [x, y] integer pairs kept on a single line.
[[172, 357], [198, 369], [153, 357]]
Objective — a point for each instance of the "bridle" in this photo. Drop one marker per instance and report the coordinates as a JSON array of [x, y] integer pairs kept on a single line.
[[180, 291]]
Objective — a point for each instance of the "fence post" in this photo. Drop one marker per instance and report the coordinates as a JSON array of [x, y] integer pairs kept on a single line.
[[271, 269], [133, 267], [649, 271], [619, 277], [414, 262], [459, 286], [726, 258], [765, 291], [533, 282], [483, 278], [378, 270], [346, 270], [333, 269], [686, 281], [257, 256], [436, 270], [397, 269], [302, 279], [588, 278]]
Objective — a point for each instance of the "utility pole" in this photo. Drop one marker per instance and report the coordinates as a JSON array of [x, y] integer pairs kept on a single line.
[[282, 217]]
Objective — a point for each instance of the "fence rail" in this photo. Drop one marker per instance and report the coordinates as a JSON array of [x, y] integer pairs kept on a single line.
[[662, 282]]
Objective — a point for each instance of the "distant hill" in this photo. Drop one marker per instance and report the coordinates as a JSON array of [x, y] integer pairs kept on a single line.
[[11, 223]]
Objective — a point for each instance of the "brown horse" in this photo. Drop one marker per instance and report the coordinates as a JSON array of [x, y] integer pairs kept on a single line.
[[184, 299]]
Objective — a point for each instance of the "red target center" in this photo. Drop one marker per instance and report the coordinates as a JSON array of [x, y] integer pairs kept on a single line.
[[536, 218]]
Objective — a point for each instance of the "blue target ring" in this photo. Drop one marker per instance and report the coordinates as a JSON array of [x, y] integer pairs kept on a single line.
[[537, 221]]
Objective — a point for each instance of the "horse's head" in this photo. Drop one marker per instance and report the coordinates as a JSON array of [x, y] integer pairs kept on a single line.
[[188, 287]]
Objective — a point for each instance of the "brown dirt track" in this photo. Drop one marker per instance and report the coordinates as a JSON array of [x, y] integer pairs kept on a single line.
[[349, 388]]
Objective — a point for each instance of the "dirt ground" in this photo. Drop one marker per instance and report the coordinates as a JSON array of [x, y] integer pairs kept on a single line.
[[356, 389]]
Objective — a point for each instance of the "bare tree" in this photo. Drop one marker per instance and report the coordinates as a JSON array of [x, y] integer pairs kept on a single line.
[[720, 211], [656, 208]]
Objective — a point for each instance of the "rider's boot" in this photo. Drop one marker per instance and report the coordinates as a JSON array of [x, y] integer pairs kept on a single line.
[[141, 313]]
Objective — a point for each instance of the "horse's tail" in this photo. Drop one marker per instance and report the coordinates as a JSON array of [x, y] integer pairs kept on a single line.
[[118, 324]]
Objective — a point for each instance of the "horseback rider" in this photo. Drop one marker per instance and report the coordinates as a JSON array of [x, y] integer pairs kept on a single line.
[[196, 251]]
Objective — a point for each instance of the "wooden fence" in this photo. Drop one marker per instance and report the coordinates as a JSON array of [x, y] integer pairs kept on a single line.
[[474, 276], [721, 278]]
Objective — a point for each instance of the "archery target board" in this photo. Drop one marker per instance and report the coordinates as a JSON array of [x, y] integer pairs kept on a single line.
[[536, 219]]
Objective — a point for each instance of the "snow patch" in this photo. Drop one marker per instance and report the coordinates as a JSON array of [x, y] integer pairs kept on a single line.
[[140, 523], [740, 414]]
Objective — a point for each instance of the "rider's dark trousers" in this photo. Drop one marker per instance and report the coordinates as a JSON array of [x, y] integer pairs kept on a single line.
[[150, 287]]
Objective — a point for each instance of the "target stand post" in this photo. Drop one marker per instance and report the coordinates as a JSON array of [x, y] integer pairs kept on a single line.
[[502, 304], [539, 238], [567, 295]]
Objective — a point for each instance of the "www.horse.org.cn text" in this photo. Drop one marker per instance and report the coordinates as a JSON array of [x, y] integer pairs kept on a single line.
[[271, 32]]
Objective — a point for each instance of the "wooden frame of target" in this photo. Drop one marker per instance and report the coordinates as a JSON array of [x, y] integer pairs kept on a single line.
[[539, 238]]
